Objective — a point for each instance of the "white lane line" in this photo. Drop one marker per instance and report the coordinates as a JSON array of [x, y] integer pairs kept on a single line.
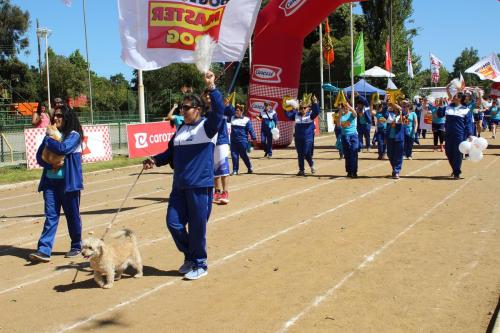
[[216, 220], [224, 259], [368, 259]]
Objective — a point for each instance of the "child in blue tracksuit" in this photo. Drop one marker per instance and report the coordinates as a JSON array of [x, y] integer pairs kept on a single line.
[[395, 136], [191, 154], [438, 122], [381, 116], [241, 127], [347, 121], [364, 122], [61, 185], [269, 119], [457, 129], [221, 158], [410, 123], [304, 133]]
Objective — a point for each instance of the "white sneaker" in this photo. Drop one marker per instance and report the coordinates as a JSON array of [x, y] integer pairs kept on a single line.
[[196, 273], [186, 267]]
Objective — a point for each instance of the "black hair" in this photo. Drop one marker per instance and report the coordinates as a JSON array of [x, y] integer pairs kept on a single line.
[[39, 108], [70, 122], [462, 97]]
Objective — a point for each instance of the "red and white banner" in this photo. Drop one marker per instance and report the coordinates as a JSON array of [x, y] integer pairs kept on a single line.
[[148, 139], [156, 33], [487, 68], [435, 66], [96, 144]]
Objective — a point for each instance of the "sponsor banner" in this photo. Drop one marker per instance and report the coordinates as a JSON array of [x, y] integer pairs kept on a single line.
[[156, 33], [256, 105], [148, 139], [266, 73], [96, 144]]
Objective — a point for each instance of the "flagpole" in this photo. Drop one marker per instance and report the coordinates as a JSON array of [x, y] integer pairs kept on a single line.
[[321, 67], [352, 58], [430, 66], [88, 63]]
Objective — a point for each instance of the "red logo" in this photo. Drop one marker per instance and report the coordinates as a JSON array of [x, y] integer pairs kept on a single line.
[[148, 139], [257, 105], [291, 6], [265, 73]]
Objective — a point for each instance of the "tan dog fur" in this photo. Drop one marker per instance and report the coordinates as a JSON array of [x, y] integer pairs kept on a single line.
[[49, 156], [114, 255]]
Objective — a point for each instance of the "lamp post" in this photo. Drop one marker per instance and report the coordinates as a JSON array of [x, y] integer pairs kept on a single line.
[[45, 33]]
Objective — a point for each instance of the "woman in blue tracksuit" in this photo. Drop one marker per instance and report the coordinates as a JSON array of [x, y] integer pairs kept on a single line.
[[269, 119], [61, 185], [191, 154], [241, 127], [381, 114], [395, 138], [347, 121], [304, 133], [364, 122], [410, 123], [457, 129]]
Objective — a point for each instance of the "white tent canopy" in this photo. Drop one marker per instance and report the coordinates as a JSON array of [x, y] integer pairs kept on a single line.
[[377, 72]]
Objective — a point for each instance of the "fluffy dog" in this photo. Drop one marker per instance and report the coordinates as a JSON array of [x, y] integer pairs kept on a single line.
[[49, 156], [113, 256]]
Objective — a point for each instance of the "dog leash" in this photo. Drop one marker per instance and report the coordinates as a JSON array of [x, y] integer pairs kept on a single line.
[[121, 206]]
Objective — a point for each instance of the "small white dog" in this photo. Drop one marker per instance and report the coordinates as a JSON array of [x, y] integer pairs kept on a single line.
[[113, 256]]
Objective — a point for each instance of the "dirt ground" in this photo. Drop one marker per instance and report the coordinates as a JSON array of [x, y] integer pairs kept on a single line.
[[321, 253]]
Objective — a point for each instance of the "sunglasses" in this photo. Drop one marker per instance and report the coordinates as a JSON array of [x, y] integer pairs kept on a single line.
[[186, 107], [58, 115]]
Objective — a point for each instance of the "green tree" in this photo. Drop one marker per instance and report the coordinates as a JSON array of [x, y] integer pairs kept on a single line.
[[14, 24], [467, 58]]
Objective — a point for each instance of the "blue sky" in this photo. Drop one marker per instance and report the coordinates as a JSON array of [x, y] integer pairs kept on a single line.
[[446, 27]]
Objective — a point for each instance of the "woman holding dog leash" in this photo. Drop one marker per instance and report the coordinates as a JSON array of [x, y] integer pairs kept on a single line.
[[191, 154], [61, 185]]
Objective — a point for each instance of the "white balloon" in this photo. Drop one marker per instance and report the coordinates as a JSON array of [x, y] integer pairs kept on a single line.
[[482, 143], [275, 133], [475, 155], [465, 147]]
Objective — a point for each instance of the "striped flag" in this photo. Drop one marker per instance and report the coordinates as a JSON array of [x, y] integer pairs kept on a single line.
[[409, 64], [328, 52], [435, 66]]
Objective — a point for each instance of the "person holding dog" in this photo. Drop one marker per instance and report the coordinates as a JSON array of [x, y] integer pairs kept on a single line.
[[191, 155], [61, 185], [304, 132]]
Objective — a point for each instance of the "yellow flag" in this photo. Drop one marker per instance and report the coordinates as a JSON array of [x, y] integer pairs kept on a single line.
[[340, 99], [394, 95], [232, 99]]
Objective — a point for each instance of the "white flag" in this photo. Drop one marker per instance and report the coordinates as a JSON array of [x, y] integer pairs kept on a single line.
[[410, 65], [487, 68], [156, 33]]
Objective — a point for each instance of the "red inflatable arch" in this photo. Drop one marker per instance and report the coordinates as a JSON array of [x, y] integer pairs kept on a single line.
[[277, 54]]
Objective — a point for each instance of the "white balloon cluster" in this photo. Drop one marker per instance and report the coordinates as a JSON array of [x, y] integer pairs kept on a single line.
[[474, 147]]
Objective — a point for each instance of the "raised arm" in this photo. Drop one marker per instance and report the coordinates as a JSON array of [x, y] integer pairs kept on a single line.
[[214, 117], [291, 114], [314, 107]]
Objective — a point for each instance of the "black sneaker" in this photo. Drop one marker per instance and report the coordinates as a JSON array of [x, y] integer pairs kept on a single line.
[[354, 175], [301, 173], [250, 171], [234, 173], [349, 175], [39, 257], [73, 253]]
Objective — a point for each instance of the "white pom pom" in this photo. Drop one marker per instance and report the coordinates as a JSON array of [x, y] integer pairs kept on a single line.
[[475, 155], [203, 53], [480, 143], [293, 103], [275, 133], [465, 147]]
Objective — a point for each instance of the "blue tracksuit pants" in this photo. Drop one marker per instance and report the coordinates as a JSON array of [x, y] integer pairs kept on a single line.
[[240, 149], [453, 154], [350, 146], [267, 140], [55, 198], [408, 145], [364, 132], [338, 144], [191, 208], [304, 149], [381, 146], [395, 154]]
